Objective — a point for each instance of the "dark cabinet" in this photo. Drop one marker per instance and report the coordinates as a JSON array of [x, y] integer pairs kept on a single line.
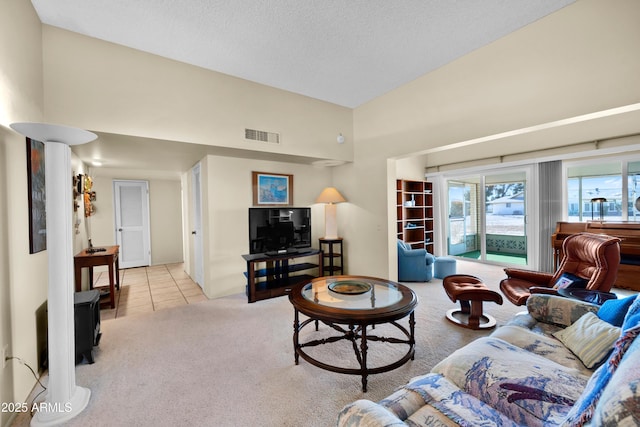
[[87, 323]]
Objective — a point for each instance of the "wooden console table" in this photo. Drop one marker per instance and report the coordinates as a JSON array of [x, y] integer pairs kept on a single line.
[[108, 257]]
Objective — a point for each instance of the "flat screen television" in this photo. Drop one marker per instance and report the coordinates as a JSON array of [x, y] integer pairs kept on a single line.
[[279, 230]]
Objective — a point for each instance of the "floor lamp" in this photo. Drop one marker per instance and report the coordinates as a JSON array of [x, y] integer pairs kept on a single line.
[[64, 399], [330, 196]]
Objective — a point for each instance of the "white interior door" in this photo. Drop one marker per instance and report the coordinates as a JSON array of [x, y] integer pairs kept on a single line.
[[197, 227], [132, 222]]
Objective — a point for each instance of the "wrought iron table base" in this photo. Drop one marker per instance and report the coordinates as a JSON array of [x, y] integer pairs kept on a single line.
[[357, 334]]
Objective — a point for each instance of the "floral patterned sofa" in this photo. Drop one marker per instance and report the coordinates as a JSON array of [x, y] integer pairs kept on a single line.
[[564, 363]]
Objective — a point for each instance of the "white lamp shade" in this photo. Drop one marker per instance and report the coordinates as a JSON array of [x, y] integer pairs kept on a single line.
[[45, 132], [330, 195]]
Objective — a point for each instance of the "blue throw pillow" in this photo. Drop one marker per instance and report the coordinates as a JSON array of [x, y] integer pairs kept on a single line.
[[614, 310]]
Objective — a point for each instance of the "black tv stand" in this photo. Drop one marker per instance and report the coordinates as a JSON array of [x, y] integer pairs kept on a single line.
[[277, 275], [282, 252]]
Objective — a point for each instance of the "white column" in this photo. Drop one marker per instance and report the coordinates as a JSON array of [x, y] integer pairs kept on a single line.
[[64, 399]]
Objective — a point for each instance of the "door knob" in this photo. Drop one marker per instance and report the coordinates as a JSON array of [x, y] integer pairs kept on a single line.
[[119, 229], [193, 232]]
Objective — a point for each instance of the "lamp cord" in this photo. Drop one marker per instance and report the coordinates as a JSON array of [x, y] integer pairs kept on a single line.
[[22, 362]]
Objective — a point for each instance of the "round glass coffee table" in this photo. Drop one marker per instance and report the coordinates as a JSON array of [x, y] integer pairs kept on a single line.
[[352, 306]]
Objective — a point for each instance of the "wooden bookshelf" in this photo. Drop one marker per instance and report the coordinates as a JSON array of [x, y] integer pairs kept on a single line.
[[414, 206]]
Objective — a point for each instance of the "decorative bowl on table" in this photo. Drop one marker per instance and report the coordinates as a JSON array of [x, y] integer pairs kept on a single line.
[[350, 287]]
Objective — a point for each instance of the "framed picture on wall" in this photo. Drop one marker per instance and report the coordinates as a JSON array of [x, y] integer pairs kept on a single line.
[[36, 196], [272, 189]]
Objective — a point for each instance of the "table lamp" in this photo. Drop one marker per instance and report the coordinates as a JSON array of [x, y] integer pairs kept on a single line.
[[330, 196]]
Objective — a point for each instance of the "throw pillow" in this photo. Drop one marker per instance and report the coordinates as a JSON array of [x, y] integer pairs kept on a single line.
[[570, 281], [614, 310], [589, 338], [583, 409]]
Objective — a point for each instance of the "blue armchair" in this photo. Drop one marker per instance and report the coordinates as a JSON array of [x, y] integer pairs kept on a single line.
[[414, 265]]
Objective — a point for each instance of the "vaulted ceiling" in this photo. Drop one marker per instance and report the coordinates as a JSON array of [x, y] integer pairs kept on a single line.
[[343, 52]]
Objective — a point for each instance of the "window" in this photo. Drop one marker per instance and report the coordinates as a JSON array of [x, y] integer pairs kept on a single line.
[[633, 191], [617, 182]]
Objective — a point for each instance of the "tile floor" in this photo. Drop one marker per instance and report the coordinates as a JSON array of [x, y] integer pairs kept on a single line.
[[147, 289]]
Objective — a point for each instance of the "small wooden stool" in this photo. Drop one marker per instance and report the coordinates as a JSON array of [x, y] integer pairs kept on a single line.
[[470, 291]]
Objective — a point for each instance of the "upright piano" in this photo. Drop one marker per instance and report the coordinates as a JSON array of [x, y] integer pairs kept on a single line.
[[628, 232]]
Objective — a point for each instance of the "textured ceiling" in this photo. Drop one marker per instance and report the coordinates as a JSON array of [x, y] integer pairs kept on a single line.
[[344, 52]]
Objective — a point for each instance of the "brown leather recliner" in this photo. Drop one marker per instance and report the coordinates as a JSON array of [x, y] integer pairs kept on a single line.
[[592, 257]]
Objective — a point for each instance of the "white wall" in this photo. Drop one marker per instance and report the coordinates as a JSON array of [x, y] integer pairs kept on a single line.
[[21, 78], [227, 195], [100, 225], [6, 377], [165, 198], [23, 277], [109, 88]]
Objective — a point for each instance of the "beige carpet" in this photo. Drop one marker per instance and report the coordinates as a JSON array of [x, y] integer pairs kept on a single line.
[[225, 362]]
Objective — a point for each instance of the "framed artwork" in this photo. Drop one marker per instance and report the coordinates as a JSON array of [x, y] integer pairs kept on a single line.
[[37, 196], [88, 196], [272, 189], [78, 189]]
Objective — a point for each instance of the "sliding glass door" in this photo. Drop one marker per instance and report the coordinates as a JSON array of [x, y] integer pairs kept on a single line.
[[505, 218], [463, 224], [486, 217]]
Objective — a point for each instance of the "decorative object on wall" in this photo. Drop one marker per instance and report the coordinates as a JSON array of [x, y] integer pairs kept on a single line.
[[74, 185], [37, 196], [272, 189], [80, 184], [78, 189], [330, 196], [89, 196]]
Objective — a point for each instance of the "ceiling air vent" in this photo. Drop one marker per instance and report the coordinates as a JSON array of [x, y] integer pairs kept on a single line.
[[260, 135]]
